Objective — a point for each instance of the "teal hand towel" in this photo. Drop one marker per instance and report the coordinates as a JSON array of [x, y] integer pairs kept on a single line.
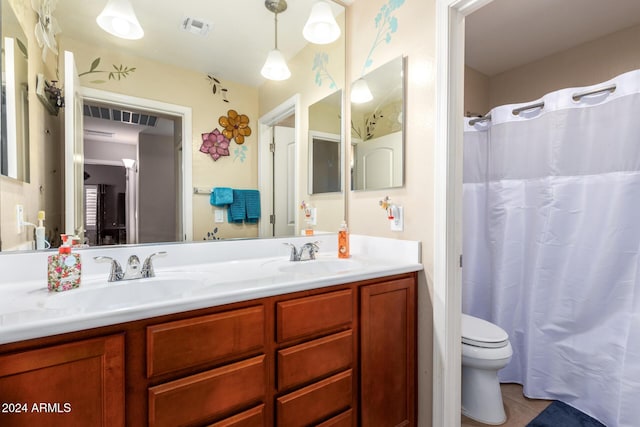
[[237, 210], [252, 203], [221, 196]]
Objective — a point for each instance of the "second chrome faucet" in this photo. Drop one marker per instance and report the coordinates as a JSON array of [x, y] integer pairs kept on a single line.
[[310, 249]]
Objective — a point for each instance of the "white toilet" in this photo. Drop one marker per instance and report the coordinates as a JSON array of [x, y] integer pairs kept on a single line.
[[485, 350]]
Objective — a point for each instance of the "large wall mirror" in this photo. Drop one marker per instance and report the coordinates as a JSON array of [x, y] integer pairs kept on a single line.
[[377, 129], [15, 99], [196, 64]]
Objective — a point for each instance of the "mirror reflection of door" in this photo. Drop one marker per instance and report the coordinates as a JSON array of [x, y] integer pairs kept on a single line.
[[140, 150], [284, 157]]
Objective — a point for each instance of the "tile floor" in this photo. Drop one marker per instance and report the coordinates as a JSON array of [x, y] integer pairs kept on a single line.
[[520, 409]]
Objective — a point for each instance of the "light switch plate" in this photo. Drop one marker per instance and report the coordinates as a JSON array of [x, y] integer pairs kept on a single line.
[[219, 215]]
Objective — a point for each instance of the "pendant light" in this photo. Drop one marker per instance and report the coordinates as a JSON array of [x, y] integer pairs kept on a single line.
[[321, 27], [119, 19], [360, 92], [275, 67]]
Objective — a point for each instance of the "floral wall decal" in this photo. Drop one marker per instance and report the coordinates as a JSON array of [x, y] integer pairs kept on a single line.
[[215, 144], [240, 153], [212, 235], [216, 87], [46, 26], [387, 24], [236, 126], [118, 73], [320, 61]]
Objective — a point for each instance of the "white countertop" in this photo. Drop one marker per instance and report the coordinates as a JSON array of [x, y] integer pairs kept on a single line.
[[192, 276]]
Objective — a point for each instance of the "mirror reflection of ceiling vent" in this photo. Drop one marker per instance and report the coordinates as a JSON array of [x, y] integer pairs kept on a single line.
[[196, 26], [119, 115]]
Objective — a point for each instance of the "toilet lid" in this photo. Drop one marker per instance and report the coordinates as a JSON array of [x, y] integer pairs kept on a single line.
[[480, 333]]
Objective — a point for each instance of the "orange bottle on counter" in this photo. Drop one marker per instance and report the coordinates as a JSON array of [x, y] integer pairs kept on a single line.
[[343, 241]]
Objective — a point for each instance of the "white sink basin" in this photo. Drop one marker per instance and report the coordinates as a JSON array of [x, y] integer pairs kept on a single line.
[[117, 295], [321, 266]]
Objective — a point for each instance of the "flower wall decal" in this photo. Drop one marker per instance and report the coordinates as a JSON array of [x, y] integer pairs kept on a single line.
[[386, 24], [46, 26], [215, 144], [320, 61], [236, 126]]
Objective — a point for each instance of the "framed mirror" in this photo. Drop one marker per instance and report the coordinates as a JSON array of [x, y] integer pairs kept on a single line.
[[377, 128], [184, 71], [325, 145], [15, 97]]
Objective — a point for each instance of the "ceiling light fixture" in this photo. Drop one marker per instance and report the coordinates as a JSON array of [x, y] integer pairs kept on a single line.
[[128, 163], [275, 67], [321, 27], [119, 19], [360, 92]]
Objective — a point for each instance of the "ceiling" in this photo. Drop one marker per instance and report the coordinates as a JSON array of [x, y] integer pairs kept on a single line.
[[241, 34], [509, 33], [235, 48]]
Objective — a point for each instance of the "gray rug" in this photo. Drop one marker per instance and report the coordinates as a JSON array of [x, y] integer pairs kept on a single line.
[[559, 414]]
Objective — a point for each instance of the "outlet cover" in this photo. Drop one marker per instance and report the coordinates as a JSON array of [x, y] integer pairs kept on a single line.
[[397, 223], [219, 215], [19, 218]]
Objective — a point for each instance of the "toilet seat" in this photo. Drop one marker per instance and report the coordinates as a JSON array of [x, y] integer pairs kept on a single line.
[[480, 333]]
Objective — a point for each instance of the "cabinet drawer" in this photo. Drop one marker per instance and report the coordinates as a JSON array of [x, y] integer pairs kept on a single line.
[[186, 343], [311, 360], [315, 402], [254, 417], [343, 420], [309, 315], [204, 396]]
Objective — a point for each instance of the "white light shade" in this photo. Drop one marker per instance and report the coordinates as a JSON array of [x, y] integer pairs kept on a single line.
[[321, 27], [360, 92], [119, 19], [128, 163], [275, 67]]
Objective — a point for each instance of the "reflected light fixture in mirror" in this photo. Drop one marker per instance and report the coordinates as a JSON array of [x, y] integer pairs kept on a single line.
[[360, 92], [275, 67], [321, 27], [128, 163], [119, 19]]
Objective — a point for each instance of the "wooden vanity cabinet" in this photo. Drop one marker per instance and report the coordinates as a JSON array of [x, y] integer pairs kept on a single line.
[[337, 356], [75, 384], [388, 353]]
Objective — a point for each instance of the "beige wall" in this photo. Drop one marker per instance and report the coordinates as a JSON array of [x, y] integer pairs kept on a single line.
[[476, 93], [415, 38], [587, 64], [42, 192]]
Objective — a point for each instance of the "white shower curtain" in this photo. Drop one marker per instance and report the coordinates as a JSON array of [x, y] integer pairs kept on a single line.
[[552, 240]]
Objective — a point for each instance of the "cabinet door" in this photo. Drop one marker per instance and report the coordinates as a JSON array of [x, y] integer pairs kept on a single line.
[[388, 343], [76, 384]]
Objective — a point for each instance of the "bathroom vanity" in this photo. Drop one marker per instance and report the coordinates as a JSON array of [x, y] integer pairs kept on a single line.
[[332, 348]]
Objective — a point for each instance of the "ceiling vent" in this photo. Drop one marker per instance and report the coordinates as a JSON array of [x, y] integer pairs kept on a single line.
[[196, 26], [120, 115]]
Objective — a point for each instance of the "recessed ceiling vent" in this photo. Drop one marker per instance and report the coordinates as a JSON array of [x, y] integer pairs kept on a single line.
[[196, 26], [120, 115]]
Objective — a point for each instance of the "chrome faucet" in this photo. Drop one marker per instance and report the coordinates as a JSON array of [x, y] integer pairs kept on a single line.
[[134, 271], [311, 248]]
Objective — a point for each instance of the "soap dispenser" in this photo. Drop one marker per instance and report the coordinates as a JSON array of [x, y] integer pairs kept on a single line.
[[343, 241], [64, 269]]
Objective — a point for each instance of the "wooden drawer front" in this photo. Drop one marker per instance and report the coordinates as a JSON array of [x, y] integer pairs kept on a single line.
[[309, 315], [181, 344], [204, 396], [315, 402], [254, 417], [343, 420], [314, 359]]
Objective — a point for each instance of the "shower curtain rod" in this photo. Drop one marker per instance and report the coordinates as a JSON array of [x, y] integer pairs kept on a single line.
[[576, 97]]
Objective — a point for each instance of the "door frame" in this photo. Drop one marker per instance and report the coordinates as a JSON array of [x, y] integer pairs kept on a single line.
[[265, 159], [185, 113], [447, 280]]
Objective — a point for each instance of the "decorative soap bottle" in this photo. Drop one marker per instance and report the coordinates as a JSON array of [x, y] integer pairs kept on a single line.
[[343, 241], [64, 269]]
